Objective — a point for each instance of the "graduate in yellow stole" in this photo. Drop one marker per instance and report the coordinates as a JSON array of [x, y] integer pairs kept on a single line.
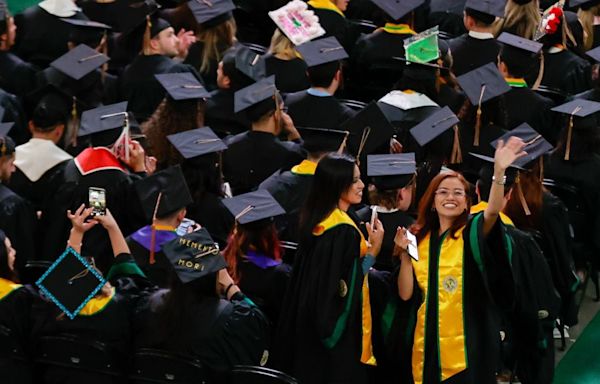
[[463, 276]]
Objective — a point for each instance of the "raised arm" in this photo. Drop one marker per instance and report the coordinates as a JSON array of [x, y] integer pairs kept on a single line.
[[117, 241], [79, 226]]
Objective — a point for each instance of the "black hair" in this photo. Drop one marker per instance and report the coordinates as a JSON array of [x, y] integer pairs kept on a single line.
[[322, 75], [484, 183], [585, 138], [7, 146], [105, 138], [480, 17], [202, 174], [5, 271], [238, 80], [334, 175], [518, 63]]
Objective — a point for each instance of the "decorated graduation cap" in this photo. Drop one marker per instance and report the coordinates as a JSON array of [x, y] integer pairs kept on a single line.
[[182, 86], [253, 207], [317, 140], [210, 13], [576, 108], [480, 85], [257, 99], [250, 63], [197, 142], [397, 9], [71, 282], [322, 51], [551, 20], [394, 171], [493, 8], [369, 130], [297, 22], [422, 48], [79, 61], [436, 124], [194, 255]]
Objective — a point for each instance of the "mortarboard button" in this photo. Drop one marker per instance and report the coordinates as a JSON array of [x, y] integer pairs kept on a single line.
[[194, 255], [434, 125], [79, 61], [254, 94], [250, 63], [489, 7], [520, 43], [103, 119], [182, 86], [535, 144], [253, 206], [322, 140], [391, 171], [483, 84], [71, 282], [322, 51], [163, 193], [196, 142], [396, 9], [211, 12]]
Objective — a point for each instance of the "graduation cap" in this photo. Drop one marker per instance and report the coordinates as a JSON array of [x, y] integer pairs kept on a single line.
[[196, 142], [579, 108], [135, 13], [594, 54], [52, 108], [396, 9], [260, 91], [103, 118], [87, 32], [79, 61], [210, 13], [182, 86], [391, 171], [297, 22], [253, 206], [480, 85], [7, 145], [493, 8], [322, 51], [250, 63], [369, 130], [4, 15], [194, 256], [583, 4], [71, 282], [535, 144], [435, 125], [525, 45], [317, 140], [447, 6], [2, 110], [422, 48]]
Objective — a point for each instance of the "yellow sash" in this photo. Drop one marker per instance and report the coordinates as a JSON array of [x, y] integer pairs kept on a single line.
[[339, 217], [306, 167], [325, 4], [7, 287], [451, 333], [398, 29], [97, 304], [481, 207]]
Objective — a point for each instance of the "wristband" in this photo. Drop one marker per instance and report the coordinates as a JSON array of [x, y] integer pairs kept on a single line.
[[228, 288], [502, 181]]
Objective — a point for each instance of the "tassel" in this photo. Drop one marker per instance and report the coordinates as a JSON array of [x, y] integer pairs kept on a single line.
[[456, 157], [540, 76], [478, 118], [541, 170], [73, 126], [569, 134], [153, 231], [363, 142], [522, 197], [104, 50], [147, 37], [342, 147]]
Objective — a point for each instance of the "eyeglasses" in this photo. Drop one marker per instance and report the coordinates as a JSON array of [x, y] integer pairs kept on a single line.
[[443, 192]]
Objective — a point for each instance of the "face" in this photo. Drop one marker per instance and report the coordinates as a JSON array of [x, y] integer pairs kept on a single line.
[[168, 42], [342, 4], [8, 39], [406, 195], [450, 198], [353, 195], [7, 167], [11, 254], [222, 80]]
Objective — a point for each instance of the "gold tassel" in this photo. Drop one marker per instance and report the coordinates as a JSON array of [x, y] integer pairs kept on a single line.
[[363, 142], [104, 50], [147, 37], [540, 76], [478, 118], [456, 157], [73, 128], [542, 169], [342, 147], [153, 230], [569, 134], [522, 197]]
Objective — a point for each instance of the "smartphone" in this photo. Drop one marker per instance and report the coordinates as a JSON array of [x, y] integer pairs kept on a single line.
[[184, 227], [97, 201]]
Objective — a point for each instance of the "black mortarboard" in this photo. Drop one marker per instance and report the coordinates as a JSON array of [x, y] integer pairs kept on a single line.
[[172, 188], [483, 84], [369, 130], [253, 206], [196, 142], [594, 54], [136, 13], [489, 7], [5, 128], [322, 140], [86, 23], [391, 171], [52, 108], [194, 255], [396, 9], [79, 61], [86, 31], [530, 46], [2, 110], [580, 108], [7, 145], [211, 12], [260, 91], [103, 119], [447, 6], [249, 63], [535, 144], [3, 17], [322, 51], [583, 4], [71, 282], [434, 125], [182, 86]]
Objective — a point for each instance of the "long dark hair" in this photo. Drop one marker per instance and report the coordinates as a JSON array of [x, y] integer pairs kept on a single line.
[[203, 175], [334, 175], [5, 271], [428, 219], [585, 139]]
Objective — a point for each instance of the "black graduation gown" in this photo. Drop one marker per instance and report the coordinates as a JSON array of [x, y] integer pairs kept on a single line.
[[15, 306], [308, 346], [141, 89], [376, 50], [210, 212], [107, 13], [470, 53], [567, 72], [338, 26], [40, 191], [18, 221], [34, 43], [252, 156], [391, 221], [14, 113], [16, 75], [311, 111], [219, 333], [139, 243], [220, 116], [537, 113], [290, 75]]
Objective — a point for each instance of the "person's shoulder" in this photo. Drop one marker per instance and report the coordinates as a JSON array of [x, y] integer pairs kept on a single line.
[[295, 97], [236, 139]]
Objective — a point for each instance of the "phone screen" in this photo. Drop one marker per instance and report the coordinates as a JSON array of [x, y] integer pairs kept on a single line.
[[97, 201]]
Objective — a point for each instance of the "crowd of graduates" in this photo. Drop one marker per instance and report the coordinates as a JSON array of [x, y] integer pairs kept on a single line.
[[409, 197]]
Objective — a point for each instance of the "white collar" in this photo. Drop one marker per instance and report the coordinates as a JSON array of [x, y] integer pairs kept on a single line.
[[60, 8], [481, 35], [552, 50], [381, 209], [37, 156]]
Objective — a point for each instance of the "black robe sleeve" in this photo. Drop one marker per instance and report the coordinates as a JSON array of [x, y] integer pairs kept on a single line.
[[18, 220]]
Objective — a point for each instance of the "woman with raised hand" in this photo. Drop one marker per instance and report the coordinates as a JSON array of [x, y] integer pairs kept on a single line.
[[462, 274]]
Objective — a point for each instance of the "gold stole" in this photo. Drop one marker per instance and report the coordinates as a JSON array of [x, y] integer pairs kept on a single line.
[[451, 332], [398, 29], [339, 217], [7, 287], [325, 4], [306, 167], [97, 304]]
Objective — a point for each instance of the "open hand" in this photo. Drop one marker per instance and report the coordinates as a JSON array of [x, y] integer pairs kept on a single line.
[[137, 157], [375, 236], [186, 38], [78, 219], [107, 220], [507, 154]]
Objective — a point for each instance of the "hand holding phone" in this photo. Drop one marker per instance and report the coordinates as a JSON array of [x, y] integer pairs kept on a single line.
[[97, 201]]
